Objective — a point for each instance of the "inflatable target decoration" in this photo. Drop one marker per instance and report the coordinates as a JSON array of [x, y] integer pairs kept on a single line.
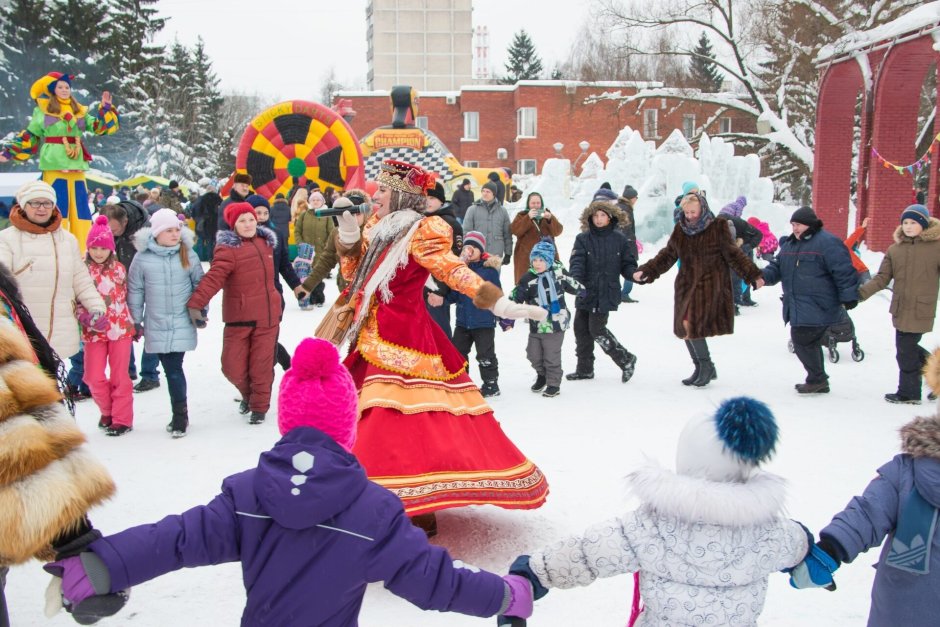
[[295, 142]]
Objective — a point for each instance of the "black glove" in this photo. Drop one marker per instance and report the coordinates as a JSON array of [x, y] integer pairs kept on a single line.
[[506, 259], [852, 304]]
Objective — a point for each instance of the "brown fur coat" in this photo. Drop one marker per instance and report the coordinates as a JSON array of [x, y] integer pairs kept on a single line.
[[703, 285], [48, 481]]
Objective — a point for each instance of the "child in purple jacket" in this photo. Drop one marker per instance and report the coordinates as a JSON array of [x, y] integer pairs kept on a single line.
[[902, 505], [309, 528]]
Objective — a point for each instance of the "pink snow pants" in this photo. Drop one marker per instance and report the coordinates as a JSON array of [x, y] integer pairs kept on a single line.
[[114, 397]]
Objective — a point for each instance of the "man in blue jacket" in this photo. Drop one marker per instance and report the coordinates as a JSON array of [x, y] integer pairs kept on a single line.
[[818, 281]]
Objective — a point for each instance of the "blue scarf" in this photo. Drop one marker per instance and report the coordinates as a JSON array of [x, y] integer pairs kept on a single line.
[[548, 300], [910, 546]]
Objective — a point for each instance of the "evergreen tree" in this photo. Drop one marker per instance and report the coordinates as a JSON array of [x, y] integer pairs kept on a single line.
[[25, 30], [524, 63], [703, 72], [208, 102]]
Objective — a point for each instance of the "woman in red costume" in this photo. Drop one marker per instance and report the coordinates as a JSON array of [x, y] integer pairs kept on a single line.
[[425, 431]]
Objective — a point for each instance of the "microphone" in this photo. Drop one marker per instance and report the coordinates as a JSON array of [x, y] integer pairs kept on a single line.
[[327, 212]]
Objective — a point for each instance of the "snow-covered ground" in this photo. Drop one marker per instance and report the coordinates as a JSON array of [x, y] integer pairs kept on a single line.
[[585, 441]]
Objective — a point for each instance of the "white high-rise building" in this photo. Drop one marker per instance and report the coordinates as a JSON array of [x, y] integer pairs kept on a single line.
[[427, 44]]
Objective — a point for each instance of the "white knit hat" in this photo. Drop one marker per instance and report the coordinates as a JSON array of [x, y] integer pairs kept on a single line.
[[728, 445], [34, 190], [164, 219]]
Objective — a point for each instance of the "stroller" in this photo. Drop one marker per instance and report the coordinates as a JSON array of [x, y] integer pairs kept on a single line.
[[840, 332]]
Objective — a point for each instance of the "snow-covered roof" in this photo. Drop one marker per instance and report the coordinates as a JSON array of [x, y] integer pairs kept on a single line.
[[494, 87], [924, 19]]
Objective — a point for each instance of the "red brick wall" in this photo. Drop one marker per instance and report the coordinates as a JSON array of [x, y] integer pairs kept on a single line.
[[835, 124], [561, 117]]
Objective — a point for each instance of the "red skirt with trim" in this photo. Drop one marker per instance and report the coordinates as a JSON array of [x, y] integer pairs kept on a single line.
[[437, 445]]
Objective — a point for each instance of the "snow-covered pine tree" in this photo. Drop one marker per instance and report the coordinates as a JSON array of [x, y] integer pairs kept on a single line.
[[25, 28], [524, 63], [703, 72], [208, 102]]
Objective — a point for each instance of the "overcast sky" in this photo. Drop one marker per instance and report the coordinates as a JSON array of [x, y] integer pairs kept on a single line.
[[283, 48]]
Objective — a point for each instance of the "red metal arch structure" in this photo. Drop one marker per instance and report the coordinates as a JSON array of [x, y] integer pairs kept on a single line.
[[887, 66]]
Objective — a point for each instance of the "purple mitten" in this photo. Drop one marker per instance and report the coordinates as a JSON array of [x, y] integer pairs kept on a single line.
[[84, 318], [76, 586], [99, 322], [520, 590], [506, 324]]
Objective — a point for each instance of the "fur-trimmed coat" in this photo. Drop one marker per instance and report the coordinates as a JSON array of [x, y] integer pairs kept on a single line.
[[244, 270], [898, 597], [703, 291], [599, 258], [914, 264], [703, 549], [48, 480]]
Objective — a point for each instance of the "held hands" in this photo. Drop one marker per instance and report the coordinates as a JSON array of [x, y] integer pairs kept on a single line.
[[300, 292], [82, 585], [435, 300], [97, 322], [815, 571], [852, 304], [759, 283], [198, 317], [520, 600], [348, 228], [505, 308], [638, 277], [138, 331]]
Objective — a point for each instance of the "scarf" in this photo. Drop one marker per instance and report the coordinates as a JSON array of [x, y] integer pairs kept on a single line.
[[694, 228], [387, 252], [548, 299], [20, 221], [910, 546]]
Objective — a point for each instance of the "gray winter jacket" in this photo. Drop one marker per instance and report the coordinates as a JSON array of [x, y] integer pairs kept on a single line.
[[158, 287], [493, 221], [898, 597]]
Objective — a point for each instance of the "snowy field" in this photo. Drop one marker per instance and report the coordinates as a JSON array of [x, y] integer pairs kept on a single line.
[[585, 440]]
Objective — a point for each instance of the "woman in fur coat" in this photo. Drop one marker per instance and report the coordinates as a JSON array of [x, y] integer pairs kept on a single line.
[[704, 301], [48, 480], [704, 539], [900, 504]]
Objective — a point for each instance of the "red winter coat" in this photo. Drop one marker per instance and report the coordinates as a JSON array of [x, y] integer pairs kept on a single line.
[[244, 270]]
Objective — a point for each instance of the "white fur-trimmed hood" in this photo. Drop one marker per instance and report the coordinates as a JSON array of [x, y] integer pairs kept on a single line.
[[760, 499], [142, 238]]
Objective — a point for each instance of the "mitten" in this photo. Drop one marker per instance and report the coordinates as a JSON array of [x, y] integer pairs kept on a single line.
[[198, 317], [505, 324], [507, 258], [99, 322], [138, 331], [815, 571], [505, 308], [852, 304], [85, 319], [347, 228], [520, 597]]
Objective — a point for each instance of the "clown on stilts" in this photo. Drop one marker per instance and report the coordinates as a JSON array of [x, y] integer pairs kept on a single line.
[[55, 132], [425, 431]]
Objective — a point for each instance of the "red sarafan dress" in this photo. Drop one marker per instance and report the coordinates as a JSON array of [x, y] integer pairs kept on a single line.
[[425, 432]]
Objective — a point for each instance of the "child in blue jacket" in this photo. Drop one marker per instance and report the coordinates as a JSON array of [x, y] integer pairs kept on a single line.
[[474, 325], [545, 285]]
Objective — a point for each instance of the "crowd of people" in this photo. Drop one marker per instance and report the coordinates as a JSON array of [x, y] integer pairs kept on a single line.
[[405, 386]]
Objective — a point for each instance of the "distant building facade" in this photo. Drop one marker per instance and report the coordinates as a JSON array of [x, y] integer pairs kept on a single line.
[[427, 44], [518, 126]]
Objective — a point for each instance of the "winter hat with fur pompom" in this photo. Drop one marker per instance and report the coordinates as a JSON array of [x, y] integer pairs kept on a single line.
[[730, 444], [100, 235], [319, 392]]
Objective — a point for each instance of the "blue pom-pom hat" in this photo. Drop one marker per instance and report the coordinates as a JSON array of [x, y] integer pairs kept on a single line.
[[730, 444]]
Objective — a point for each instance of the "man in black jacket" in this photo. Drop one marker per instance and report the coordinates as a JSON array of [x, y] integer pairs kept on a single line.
[[462, 199], [434, 299], [205, 212], [600, 257], [241, 189]]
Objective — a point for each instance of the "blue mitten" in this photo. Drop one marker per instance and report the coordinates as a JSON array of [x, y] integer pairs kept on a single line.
[[815, 571]]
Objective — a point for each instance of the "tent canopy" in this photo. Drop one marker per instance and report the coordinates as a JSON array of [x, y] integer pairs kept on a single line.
[[11, 181], [150, 181]]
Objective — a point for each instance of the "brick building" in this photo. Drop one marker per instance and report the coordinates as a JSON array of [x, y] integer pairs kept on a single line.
[[517, 126]]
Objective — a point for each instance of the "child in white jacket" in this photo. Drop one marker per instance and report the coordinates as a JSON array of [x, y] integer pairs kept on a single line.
[[704, 539]]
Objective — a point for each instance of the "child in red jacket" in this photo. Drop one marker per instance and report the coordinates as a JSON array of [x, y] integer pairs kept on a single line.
[[108, 337]]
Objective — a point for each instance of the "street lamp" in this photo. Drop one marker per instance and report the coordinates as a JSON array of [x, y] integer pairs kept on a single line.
[[558, 146]]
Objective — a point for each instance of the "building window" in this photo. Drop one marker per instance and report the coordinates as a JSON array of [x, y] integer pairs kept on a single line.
[[526, 122], [688, 125], [725, 125], [650, 123], [422, 122], [471, 125], [525, 166], [471, 164]]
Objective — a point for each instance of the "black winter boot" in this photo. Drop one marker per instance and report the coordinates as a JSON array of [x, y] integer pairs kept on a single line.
[[707, 372], [490, 388], [180, 421], [624, 359], [698, 366], [256, 418], [539, 384]]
